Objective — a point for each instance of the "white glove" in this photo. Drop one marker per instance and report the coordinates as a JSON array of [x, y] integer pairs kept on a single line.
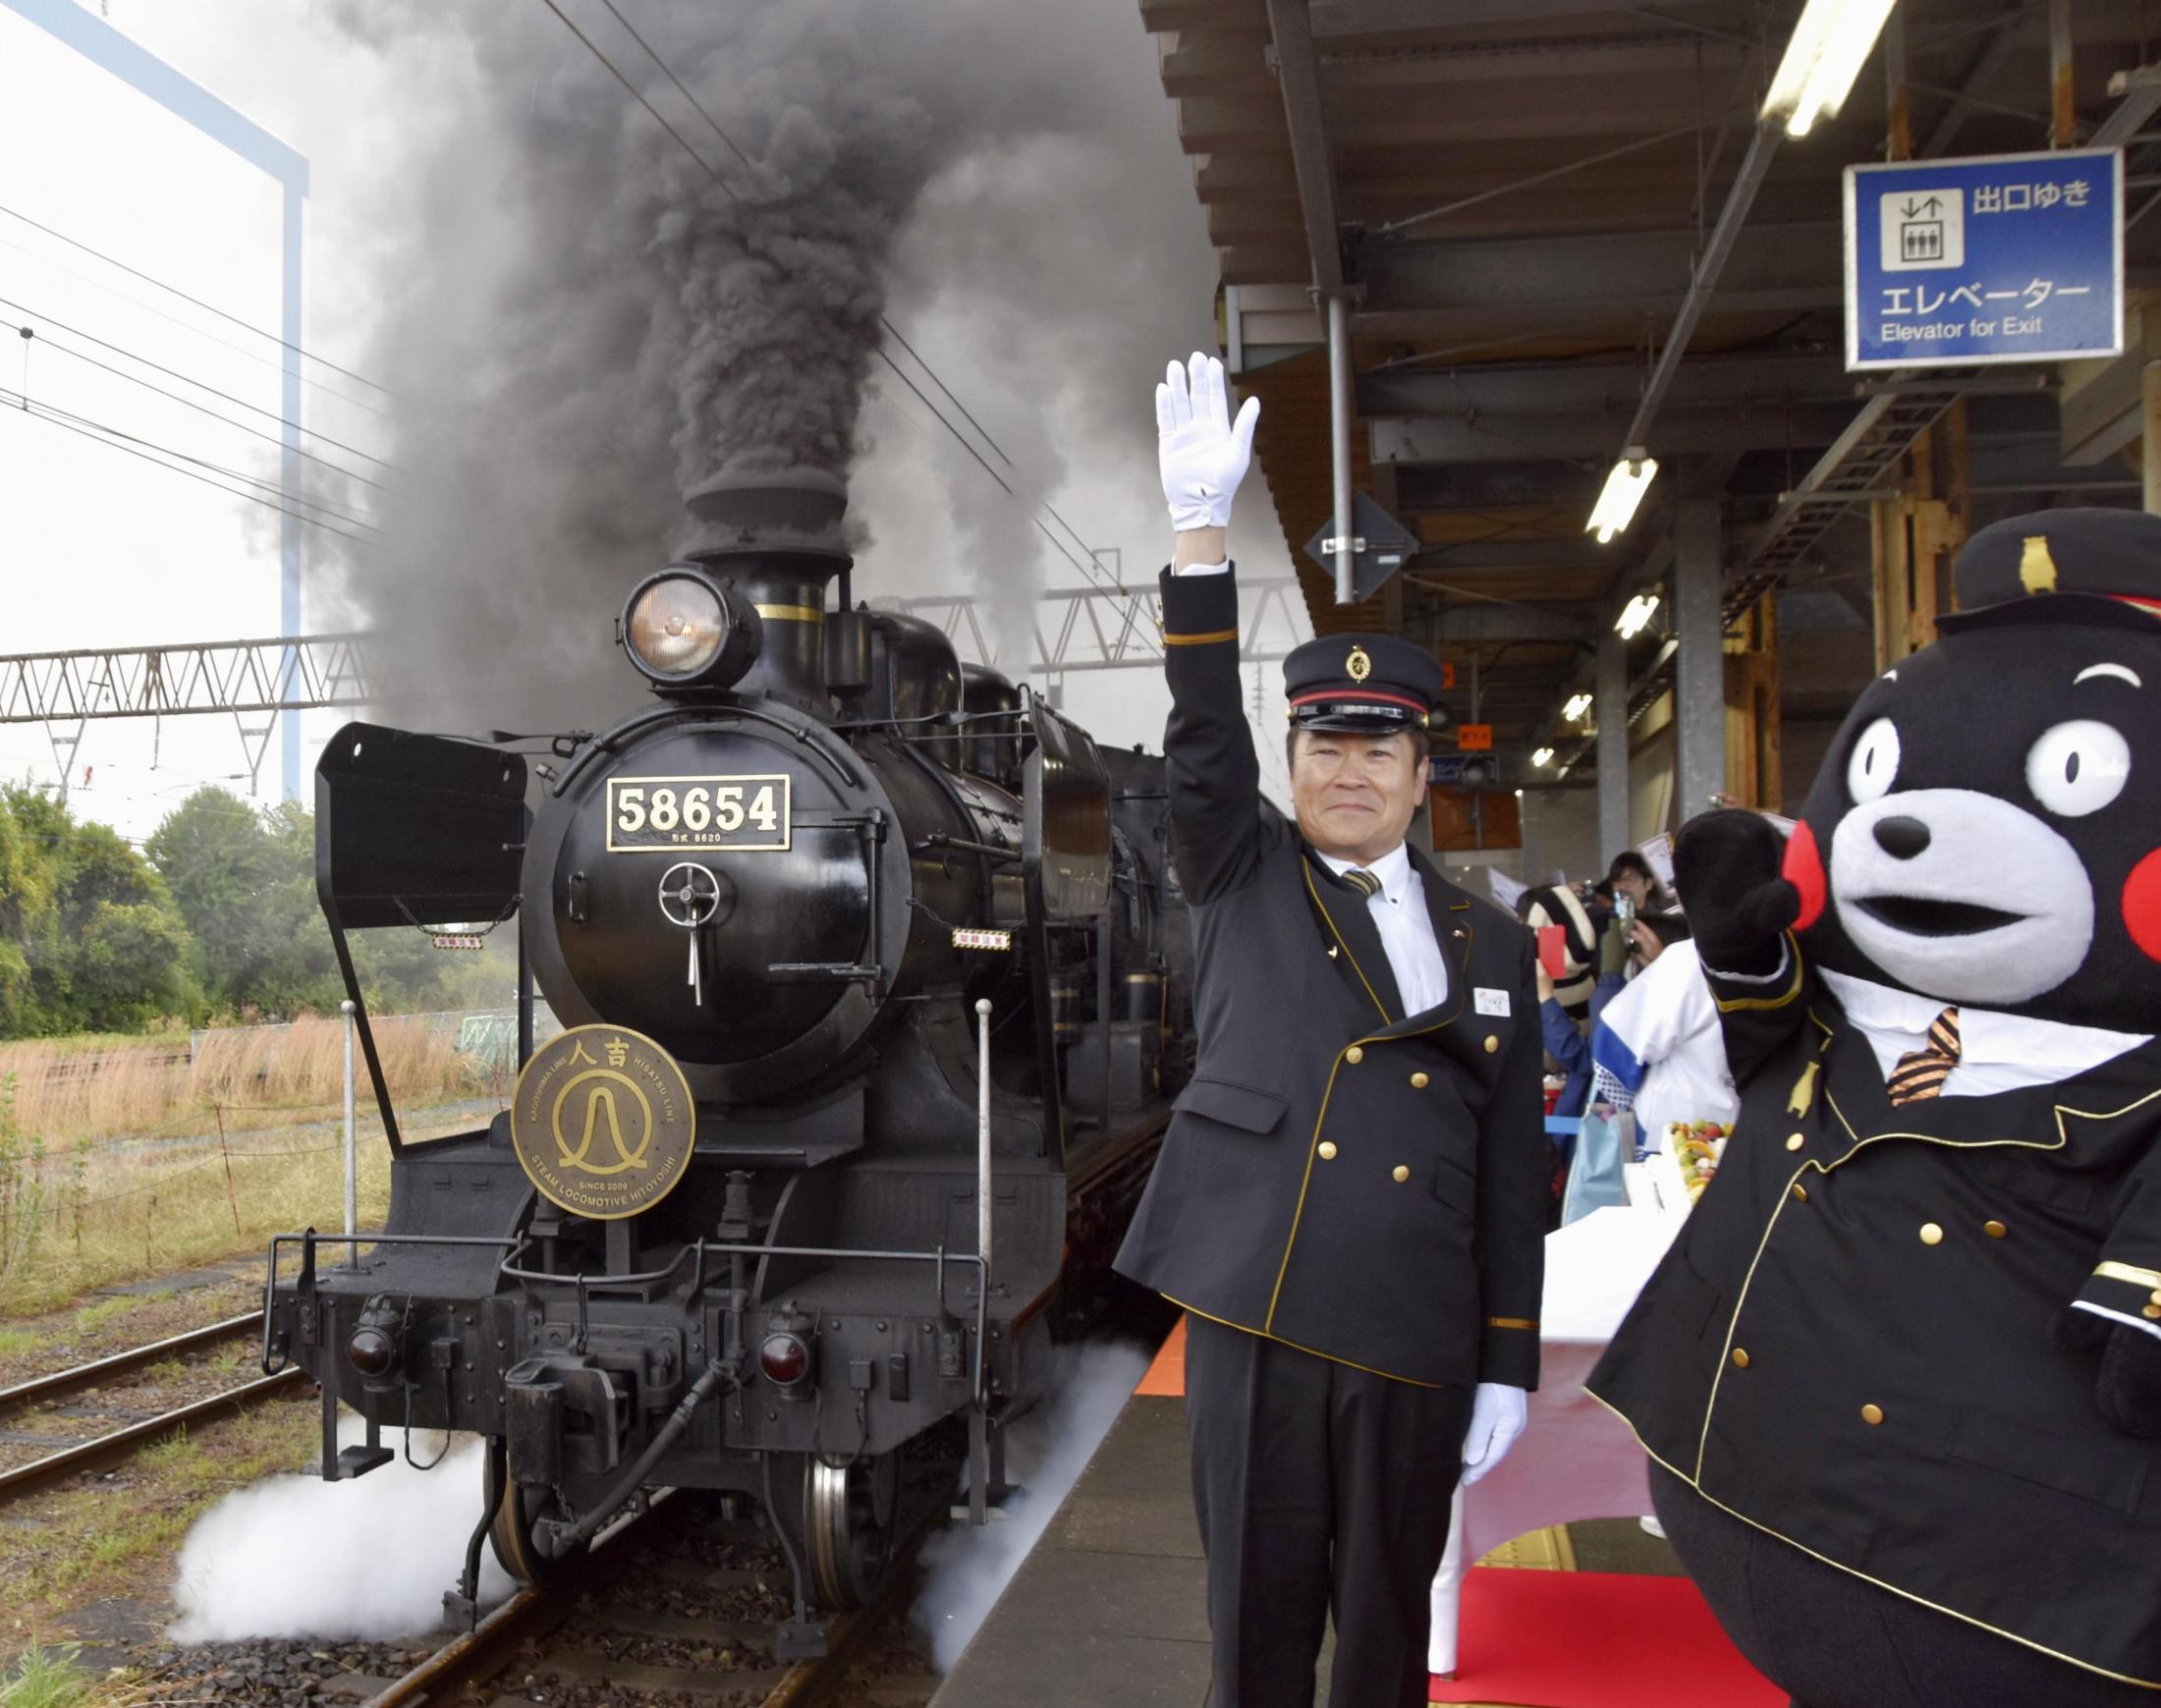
[[1201, 453], [1497, 1414]]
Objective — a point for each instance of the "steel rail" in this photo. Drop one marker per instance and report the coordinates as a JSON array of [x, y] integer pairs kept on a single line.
[[40, 1389], [472, 1658], [122, 1444]]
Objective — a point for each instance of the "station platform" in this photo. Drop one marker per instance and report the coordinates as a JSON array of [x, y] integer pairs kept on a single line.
[[1110, 1604]]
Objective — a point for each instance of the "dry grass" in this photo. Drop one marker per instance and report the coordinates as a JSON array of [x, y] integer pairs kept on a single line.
[[105, 1088], [124, 1159]]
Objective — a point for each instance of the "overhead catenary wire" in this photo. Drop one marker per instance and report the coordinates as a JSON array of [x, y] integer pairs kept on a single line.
[[276, 364], [185, 379], [54, 410], [207, 307], [118, 441], [243, 426], [1086, 563]]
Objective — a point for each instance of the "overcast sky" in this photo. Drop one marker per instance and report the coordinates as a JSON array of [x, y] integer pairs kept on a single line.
[[100, 548]]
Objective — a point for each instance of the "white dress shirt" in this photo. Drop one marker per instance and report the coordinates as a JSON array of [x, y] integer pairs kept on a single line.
[[1399, 912]]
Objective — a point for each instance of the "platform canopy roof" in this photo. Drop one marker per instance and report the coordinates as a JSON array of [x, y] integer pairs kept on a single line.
[[1521, 195]]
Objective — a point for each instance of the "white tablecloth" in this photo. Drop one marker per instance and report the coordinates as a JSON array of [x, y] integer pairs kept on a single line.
[[1574, 1460]]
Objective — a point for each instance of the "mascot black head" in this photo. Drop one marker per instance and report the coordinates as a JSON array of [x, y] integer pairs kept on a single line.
[[1987, 827]]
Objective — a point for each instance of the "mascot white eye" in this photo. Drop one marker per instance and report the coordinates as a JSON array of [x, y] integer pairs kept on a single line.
[[2077, 768], [1874, 765]]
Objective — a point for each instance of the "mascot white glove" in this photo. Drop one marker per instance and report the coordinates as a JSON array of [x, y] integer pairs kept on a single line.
[[1497, 1414], [1203, 454]]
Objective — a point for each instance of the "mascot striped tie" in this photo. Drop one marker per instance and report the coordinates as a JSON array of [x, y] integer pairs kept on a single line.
[[1921, 1074]]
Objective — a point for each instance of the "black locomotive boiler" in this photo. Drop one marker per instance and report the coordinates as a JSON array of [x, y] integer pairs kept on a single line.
[[876, 987]]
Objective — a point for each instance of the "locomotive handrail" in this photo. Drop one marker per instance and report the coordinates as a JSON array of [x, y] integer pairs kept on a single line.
[[309, 1239], [701, 1248]]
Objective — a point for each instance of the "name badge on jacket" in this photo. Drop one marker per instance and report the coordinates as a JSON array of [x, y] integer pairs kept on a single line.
[[1490, 1002]]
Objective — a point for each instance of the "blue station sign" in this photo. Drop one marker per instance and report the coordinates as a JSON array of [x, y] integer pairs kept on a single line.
[[2001, 257]]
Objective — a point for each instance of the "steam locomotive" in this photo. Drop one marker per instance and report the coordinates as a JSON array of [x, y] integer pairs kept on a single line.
[[876, 989]]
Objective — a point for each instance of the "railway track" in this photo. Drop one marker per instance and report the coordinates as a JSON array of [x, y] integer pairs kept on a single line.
[[614, 1622], [103, 1452]]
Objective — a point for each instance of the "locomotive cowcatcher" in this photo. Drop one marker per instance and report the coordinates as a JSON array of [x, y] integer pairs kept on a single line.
[[843, 933]]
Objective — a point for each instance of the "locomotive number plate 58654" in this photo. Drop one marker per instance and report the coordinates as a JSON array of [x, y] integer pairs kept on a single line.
[[730, 814]]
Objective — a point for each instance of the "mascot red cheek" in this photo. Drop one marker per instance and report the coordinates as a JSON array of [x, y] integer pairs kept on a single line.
[[1899, 1377]]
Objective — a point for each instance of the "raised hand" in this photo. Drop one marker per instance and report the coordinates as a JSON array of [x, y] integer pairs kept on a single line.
[[1201, 453], [1725, 865]]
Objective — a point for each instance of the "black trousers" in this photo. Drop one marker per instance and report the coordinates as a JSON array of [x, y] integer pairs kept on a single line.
[[1319, 1488], [1834, 1641]]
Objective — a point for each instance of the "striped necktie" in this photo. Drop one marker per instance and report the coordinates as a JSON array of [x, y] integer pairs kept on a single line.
[[1362, 881], [1921, 1074]]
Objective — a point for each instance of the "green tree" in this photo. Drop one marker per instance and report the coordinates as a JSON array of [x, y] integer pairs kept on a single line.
[[89, 937], [245, 881]]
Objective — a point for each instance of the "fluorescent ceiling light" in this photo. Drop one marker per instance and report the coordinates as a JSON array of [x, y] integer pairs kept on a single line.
[[1544, 757], [1625, 490], [1578, 705], [1830, 45], [1634, 615]]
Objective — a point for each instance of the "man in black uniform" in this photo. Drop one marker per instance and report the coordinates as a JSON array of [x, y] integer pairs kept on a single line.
[[1352, 1197]]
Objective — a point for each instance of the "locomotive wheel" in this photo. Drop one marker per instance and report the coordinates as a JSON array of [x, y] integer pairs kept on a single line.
[[849, 1516], [511, 1534]]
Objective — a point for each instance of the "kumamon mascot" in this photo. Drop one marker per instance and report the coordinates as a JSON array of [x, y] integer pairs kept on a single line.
[[1899, 1376]]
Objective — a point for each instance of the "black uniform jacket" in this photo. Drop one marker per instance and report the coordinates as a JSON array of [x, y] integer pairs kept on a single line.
[[1352, 1180], [1849, 1344]]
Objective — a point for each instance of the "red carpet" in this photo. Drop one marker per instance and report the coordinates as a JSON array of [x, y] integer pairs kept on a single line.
[[1596, 1640]]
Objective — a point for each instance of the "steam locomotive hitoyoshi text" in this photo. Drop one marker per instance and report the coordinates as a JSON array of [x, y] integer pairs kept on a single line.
[[876, 988]]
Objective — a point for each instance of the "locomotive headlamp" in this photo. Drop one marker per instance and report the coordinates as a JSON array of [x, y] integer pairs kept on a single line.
[[376, 1350], [372, 1352], [685, 629], [786, 1361]]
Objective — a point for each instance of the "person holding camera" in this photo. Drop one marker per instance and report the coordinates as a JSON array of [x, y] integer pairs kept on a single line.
[[1351, 1199]]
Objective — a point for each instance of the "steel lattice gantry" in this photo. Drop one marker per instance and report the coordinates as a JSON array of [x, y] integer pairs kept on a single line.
[[65, 690], [1081, 638], [1095, 628]]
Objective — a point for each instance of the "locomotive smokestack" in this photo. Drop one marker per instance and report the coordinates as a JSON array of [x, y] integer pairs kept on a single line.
[[777, 536]]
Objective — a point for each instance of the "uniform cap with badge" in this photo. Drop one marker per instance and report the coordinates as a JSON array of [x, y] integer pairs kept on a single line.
[[1369, 684]]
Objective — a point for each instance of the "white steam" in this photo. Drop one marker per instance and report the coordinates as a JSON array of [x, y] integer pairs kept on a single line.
[[967, 1569], [385, 1548]]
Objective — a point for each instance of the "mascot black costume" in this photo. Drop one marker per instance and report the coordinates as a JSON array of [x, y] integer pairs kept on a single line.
[[1901, 1374]]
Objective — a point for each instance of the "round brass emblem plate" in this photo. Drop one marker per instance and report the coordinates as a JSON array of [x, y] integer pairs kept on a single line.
[[603, 1122], [1357, 667]]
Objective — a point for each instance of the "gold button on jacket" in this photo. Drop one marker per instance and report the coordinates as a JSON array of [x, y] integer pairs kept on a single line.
[[1353, 1055], [1871, 1416], [1492, 1044], [1419, 1082], [1402, 1174], [1327, 1149]]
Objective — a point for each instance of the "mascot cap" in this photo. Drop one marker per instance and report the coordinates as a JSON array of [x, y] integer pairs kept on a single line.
[[2062, 566], [1367, 682]]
